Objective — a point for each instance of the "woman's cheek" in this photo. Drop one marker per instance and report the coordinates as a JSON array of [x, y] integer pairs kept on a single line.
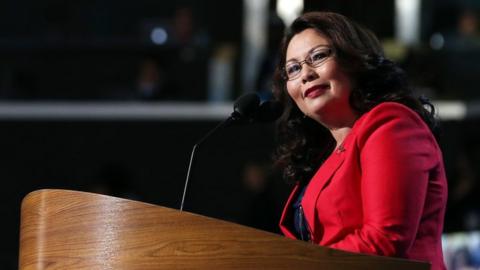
[[293, 91]]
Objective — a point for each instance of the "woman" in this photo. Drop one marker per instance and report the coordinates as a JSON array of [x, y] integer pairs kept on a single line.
[[368, 172]]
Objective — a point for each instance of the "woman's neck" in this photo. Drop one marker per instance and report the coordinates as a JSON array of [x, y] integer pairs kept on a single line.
[[339, 126], [339, 134]]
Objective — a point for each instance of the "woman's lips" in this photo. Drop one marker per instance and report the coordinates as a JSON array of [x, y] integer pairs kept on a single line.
[[316, 90]]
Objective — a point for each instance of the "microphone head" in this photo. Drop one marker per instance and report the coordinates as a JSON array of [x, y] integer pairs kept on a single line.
[[245, 107], [269, 111]]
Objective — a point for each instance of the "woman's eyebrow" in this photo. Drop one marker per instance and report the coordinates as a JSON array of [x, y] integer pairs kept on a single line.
[[293, 59]]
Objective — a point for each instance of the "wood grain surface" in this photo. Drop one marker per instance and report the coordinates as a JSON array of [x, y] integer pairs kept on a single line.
[[63, 229]]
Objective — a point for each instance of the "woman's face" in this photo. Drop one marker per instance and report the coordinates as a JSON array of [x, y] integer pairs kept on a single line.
[[320, 92]]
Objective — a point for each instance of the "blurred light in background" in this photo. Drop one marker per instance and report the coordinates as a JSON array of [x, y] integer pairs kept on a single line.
[[221, 74], [159, 36], [288, 10], [451, 110], [255, 20], [461, 250], [437, 41], [407, 21]]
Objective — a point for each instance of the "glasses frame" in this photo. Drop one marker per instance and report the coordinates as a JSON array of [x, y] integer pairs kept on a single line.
[[308, 61]]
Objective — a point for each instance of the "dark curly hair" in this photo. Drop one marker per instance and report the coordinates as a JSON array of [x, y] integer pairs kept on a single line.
[[303, 143]]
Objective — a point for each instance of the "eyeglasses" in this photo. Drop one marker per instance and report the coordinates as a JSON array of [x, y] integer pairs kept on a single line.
[[315, 58]]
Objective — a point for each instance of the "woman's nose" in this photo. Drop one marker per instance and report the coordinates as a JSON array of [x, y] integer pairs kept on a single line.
[[308, 74]]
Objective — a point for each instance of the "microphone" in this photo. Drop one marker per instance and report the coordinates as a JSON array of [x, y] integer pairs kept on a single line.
[[244, 110], [247, 109]]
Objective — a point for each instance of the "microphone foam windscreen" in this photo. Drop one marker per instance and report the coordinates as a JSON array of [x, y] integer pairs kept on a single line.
[[247, 105]]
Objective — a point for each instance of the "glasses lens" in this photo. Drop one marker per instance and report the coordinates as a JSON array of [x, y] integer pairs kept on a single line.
[[292, 70], [318, 56], [314, 59]]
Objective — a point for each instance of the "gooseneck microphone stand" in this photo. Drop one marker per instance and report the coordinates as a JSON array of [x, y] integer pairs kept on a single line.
[[192, 155], [243, 110]]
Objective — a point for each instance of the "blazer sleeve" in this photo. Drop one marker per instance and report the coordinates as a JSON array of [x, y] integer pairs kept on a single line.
[[397, 154]]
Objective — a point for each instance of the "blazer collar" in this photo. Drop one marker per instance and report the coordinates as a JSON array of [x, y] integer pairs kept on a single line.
[[319, 182], [326, 171], [324, 176]]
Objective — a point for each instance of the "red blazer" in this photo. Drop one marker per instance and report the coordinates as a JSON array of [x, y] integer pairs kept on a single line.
[[384, 192]]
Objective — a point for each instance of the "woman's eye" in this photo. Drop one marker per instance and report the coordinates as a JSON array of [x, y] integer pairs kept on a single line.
[[293, 68], [318, 56]]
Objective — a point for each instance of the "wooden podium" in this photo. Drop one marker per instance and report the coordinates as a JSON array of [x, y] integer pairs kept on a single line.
[[63, 229]]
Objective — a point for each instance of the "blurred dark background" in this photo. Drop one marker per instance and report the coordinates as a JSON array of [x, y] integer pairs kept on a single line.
[[56, 54]]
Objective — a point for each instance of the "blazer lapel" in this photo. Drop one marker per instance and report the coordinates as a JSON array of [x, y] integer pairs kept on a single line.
[[285, 219], [319, 182]]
